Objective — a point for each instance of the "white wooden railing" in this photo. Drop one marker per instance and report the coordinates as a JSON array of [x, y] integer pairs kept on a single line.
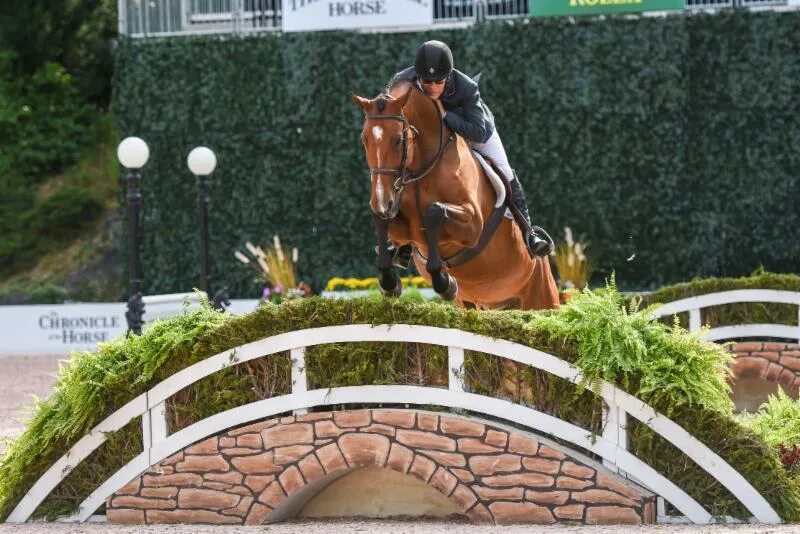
[[693, 305], [611, 446]]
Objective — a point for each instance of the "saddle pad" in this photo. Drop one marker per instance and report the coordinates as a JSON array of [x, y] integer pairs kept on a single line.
[[497, 183]]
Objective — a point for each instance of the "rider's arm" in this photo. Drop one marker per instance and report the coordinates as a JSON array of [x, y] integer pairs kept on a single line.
[[469, 120]]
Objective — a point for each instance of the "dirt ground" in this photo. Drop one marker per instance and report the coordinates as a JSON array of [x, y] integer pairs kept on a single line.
[[20, 378], [23, 376]]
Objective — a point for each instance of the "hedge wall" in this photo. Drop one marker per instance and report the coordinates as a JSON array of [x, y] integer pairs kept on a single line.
[[675, 139]]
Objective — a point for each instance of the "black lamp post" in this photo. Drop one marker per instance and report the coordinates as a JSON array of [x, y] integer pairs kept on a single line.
[[133, 154], [202, 161]]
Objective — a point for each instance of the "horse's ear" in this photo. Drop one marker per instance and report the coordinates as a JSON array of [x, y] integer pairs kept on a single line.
[[359, 101]]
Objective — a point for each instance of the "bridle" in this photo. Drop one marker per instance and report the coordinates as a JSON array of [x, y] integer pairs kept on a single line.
[[403, 175]]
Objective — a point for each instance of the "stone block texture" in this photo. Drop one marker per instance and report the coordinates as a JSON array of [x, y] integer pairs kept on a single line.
[[495, 476], [775, 362]]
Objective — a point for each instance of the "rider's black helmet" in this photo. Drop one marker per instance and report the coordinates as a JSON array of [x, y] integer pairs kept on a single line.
[[434, 61]]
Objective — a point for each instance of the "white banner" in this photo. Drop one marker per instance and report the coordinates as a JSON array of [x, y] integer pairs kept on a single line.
[[312, 15], [63, 328]]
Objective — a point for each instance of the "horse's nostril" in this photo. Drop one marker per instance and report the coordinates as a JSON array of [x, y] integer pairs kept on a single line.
[[389, 205]]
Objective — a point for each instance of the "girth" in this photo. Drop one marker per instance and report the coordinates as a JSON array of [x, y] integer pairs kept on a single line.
[[464, 255]]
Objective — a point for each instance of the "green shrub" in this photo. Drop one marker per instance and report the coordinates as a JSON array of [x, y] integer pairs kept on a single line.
[[65, 213], [93, 385], [47, 292]]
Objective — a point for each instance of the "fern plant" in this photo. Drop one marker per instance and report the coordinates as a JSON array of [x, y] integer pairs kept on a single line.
[[623, 345], [777, 421]]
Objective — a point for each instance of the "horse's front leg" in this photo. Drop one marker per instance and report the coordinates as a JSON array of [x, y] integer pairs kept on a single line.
[[389, 283], [432, 219], [462, 225]]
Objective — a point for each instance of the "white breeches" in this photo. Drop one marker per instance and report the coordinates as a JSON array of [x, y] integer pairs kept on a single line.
[[493, 149]]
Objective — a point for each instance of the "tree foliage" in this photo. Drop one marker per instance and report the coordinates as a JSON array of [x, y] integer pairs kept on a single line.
[[76, 34]]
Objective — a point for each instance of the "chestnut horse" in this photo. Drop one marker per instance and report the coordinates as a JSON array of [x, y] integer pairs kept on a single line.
[[428, 190]]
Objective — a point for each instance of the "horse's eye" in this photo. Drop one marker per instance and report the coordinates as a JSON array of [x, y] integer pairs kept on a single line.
[[398, 139]]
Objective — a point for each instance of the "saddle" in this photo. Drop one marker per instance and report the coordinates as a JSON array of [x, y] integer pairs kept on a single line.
[[500, 183]]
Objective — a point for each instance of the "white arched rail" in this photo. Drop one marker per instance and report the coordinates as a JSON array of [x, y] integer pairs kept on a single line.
[[693, 305], [611, 446]]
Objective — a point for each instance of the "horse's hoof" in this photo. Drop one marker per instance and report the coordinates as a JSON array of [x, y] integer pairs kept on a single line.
[[452, 289], [396, 291]]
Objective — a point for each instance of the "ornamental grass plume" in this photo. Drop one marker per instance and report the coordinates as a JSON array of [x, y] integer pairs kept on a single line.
[[272, 266], [574, 267], [664, 365]]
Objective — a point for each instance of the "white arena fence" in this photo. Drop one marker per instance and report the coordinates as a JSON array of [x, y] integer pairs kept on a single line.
[[611, 445], [693, 305], [41, 329]]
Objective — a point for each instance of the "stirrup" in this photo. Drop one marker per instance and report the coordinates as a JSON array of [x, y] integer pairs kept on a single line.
[[401, 256], [539, 246]]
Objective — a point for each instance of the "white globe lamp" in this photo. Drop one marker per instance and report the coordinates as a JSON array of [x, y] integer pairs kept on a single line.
[[133, 153], [202, 161]]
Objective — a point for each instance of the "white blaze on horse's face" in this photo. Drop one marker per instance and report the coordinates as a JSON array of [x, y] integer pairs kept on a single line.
[[383, 153], [377, 133], [378, 183]]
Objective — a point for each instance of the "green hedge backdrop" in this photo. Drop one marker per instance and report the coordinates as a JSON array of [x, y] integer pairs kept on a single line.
[[671, 144]]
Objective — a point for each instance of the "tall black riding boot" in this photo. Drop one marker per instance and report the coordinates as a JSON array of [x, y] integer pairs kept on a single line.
[[536, 245], [401, 256]]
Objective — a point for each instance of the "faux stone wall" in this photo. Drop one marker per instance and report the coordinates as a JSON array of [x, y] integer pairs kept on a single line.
[[775, 362], [494, 476]]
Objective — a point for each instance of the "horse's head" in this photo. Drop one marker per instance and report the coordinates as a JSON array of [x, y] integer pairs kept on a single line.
[[389, 142]]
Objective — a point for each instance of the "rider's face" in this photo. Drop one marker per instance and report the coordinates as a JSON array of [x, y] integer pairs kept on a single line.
[[434, 89]]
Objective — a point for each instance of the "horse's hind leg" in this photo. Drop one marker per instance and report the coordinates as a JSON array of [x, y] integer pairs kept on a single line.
[[390, 284], [444, 284]]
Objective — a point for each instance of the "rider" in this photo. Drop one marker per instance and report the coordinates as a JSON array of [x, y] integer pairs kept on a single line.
[[467, 114]]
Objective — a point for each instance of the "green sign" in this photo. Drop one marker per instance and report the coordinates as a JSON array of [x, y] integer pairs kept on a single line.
[[544, 8]]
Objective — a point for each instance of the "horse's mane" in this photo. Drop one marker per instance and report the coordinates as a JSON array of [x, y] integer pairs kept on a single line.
[[398, 90]]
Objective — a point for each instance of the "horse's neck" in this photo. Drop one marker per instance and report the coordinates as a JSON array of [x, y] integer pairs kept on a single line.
[[425, 117]]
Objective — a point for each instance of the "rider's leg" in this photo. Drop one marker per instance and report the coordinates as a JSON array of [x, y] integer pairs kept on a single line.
[[401, 256], [494, 150]]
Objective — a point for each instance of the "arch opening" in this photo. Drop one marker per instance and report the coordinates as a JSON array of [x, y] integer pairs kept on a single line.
[[369, 492]]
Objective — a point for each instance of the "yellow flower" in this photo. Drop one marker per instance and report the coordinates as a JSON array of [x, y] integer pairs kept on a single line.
[[333, 283], [419, 281]]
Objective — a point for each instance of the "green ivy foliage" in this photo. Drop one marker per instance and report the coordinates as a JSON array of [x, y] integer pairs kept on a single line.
[[674, 372], [672, 144]]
